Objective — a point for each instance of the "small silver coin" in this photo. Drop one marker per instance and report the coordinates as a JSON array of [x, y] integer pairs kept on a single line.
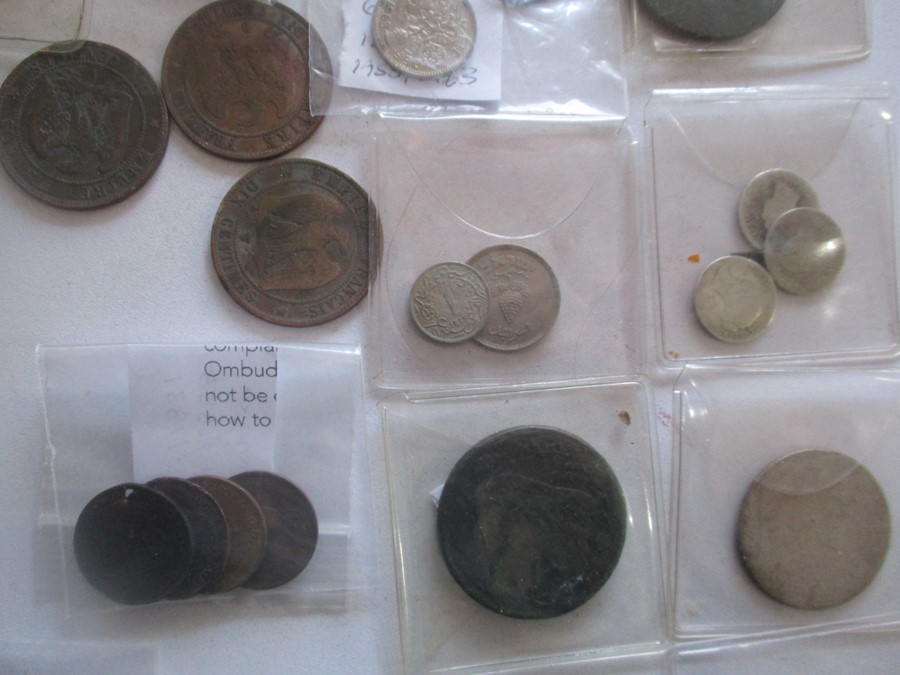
[[424, 39], [813, 529], [734, 299], [712, 19], [804, 251], [524, 293], [449, 302], [766, 197]]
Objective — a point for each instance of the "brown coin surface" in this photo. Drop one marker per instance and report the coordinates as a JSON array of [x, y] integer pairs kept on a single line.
[[291, 242], [236, 78], [82, 125]]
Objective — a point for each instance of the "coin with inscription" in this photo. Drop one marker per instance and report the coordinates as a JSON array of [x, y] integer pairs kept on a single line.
[[449, 302], [734, 299], [804, 251], [236, 78], [524, 296], [291, 242], [766, 197], [424, 39], [532, 522], [814, 529], [82, 125], [712, 19]]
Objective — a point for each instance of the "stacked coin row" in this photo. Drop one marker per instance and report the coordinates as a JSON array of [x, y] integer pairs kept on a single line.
[[172, 538]]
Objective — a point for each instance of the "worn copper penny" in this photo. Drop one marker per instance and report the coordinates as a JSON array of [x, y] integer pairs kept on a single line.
[[292, 525], [236, 77], [712, 19], [82, 125], [133, 544], [291, 242], [531, 522]]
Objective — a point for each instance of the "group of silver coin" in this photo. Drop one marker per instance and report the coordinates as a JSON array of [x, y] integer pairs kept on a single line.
[[800, 248]]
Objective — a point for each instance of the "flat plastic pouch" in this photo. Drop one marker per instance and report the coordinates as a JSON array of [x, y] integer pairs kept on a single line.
[[50, 658], [45, 20]]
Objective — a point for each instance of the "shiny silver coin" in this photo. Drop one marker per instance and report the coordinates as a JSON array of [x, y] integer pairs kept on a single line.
[[734, 299], [449, 302], [769, 195], [813, 529], [712, 19], [424, 39], [804, 251]]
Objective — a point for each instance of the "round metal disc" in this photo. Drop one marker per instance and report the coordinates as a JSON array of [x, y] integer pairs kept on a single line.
[[766, 197], [804, 251], [813, 529], [133, 544], [531, 522], [712, 19], [734, 299], [449, 302]]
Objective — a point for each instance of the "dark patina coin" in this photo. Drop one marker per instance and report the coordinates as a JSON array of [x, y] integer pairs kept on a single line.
[[246, 529], [293, 528], [531, 522], [133, 544], [82, 125], [210, 542], [712, 19], [291, 242], [236, 77]]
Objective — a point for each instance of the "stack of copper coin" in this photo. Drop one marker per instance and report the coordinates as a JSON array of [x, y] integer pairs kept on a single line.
[[172, 538]]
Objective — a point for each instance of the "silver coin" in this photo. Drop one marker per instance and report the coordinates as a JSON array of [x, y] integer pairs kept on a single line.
[[449, 302], [524, 297], [424, 39], [734, 299], [767, 196], [804, 251], [813, 529]]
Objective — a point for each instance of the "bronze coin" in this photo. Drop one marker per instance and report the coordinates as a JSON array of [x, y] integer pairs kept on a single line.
[[293, 528], [236, 78], [82, 125], [291, 242], [246, 529]]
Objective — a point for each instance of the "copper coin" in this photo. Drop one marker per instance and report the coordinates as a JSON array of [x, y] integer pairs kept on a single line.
[[246, 528], [236, 77], [133, 544], [712, 19], [293, 528], [82, 125], [291, 242]]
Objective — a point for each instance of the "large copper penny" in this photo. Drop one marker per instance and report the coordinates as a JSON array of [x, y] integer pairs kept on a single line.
[[82, 125], [236, 78], [291, 242]]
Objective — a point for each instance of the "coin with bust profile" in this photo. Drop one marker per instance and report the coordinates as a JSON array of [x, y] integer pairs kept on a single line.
[[766, 197], [712, 19], [734, 299], [804, 251], [449, 302]]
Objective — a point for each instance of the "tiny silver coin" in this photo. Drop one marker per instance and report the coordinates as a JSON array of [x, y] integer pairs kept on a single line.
[[712, 19], [734, 299], [804, 251], [424, 39], [766, 197], [813, 529], [449, 302]]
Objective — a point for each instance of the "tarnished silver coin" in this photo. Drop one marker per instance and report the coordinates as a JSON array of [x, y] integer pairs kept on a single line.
[[524, 294], [424, 39], [449, 302], [712, 19], [769, 195], [804, 251], [813, 529], [734, 299]]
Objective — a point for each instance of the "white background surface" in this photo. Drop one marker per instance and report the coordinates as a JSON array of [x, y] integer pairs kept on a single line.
[[140, 271]]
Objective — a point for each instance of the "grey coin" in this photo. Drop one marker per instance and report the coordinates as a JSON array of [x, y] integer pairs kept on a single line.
[[424, 39], [449, 302], [734, 299], [804, 251], [524, 294], [766, 197], [813, 529], [712, 19]]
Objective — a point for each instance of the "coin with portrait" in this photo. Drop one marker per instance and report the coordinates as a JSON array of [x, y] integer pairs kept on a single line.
[[734, 299]]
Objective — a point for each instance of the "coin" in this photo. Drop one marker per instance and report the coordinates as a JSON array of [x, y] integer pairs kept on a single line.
[[804, 251], [813, 529], [531, 522], [524, 296], [246, 529], [236, 77], [449, 302], [133, 544], [292, 525], [82, 125], [706, 20], [734, 299], [424, 39], [767, 196], [291, 242]]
